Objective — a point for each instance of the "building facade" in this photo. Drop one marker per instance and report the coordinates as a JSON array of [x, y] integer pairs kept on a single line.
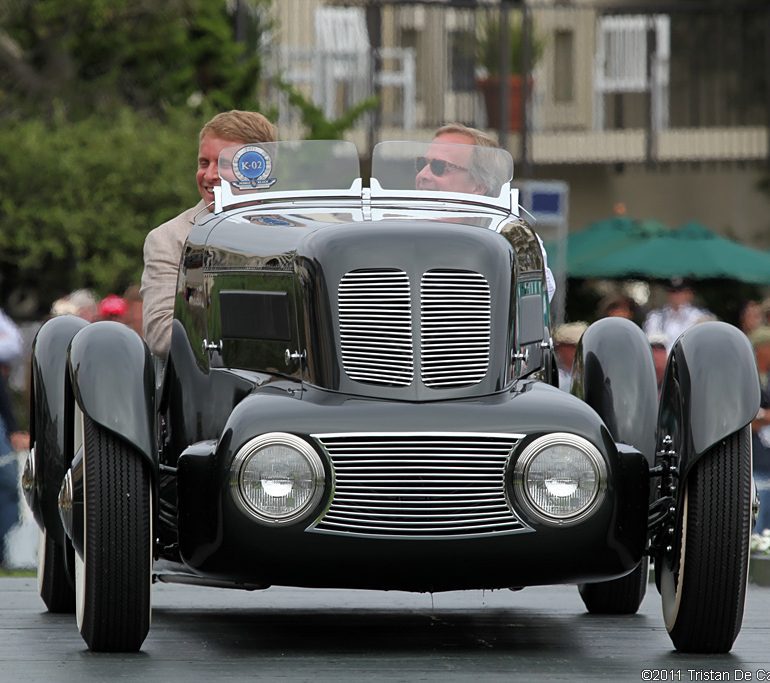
[[665, 113]]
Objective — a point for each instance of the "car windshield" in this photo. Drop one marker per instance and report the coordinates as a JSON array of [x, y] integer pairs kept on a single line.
[[290, 166], [416, 170], [441, 167]]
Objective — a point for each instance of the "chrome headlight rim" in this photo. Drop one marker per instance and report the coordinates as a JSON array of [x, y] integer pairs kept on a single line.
[[524, 461], [250, 449]]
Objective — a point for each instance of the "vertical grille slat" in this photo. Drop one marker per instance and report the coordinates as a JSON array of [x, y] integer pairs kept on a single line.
[[375, 315], [419, 484], [456, 315]]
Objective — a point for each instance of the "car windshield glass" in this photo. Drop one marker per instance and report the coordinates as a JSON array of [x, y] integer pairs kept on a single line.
[[441, 167], [289, 166]]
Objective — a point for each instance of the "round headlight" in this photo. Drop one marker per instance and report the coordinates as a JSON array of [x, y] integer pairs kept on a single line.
[[560, 477], [277, 477]]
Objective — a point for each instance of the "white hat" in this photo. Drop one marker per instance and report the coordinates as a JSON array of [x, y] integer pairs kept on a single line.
[[569, 333], [64, 306]]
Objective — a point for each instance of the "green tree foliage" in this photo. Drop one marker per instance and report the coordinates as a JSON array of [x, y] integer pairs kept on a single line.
[[79, 198], [317, 126], [489, 40], [86, 55], [101, 102]]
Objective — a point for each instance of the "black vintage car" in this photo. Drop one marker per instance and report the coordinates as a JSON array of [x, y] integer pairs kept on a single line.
[[360, 392]]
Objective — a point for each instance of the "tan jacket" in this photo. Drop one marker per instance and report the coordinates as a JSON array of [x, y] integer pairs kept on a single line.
[[162, 254]]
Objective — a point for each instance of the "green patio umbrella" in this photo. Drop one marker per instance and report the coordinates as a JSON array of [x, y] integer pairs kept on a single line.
[[591, 250], [691, 251]]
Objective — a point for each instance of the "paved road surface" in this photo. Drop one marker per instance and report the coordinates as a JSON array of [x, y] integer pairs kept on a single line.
[[286, 634]]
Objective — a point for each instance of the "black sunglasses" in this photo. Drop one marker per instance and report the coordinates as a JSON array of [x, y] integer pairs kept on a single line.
[[438, 167]]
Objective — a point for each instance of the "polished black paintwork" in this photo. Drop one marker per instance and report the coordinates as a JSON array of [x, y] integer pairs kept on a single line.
[[113, 381], [217, 538], [240, 250], [614, 374], [216, 400], [48, 417], [708, 362], [414, 247], [196, 403], [224, 384]]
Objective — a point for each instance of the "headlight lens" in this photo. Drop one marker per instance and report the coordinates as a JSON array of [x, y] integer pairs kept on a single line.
[[277, 477], [560, 477]]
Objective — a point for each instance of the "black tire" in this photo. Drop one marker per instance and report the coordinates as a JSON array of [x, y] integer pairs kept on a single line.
[[620, 596], [54, 580], [114, 577], [704, 593]]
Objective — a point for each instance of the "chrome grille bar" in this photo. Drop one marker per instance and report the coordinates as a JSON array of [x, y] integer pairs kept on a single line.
[[375, 317], [456, 320], [417, 485]]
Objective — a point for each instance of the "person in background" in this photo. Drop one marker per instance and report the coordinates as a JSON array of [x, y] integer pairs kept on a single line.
[[81, 302], [163, 245], [113, 307], [10, 340], [12, 439], [764, 306], [750, 317], [565, 339], [659, 357], [616, 305], [133, 316], [760, 427], [678, 315]]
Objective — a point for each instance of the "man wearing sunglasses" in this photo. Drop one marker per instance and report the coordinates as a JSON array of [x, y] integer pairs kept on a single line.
[[459, 159], [453, 163]]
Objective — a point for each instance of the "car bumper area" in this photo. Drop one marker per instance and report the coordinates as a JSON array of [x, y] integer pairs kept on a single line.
[[449, 519]]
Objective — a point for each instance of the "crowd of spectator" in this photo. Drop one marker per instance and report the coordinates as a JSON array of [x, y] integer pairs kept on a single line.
[[662, 326]]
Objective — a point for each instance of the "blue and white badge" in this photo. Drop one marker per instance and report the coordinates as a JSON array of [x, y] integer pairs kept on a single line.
[[252, 166]]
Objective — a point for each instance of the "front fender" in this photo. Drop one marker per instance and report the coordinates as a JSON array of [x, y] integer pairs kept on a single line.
[[710, 389], [47, 419], [113, 381], [614, 374]]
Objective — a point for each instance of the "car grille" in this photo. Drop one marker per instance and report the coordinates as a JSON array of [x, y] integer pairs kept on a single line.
[[456, 313], [375, 313], [419, 484], [375, 316]]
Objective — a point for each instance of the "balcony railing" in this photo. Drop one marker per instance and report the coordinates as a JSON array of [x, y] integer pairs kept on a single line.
[[684, 81]]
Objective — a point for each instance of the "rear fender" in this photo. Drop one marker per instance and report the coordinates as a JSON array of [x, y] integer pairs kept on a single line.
[[710, 390], [48, 420]]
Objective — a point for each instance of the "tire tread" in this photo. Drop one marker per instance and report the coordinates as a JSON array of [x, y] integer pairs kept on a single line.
[[716, 554], [117, 584]]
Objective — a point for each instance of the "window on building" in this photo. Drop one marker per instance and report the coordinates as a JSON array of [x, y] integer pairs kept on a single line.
[[463, 64], [563, 68]]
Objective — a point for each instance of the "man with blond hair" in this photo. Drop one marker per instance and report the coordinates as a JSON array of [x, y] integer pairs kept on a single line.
[[163, 245]]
